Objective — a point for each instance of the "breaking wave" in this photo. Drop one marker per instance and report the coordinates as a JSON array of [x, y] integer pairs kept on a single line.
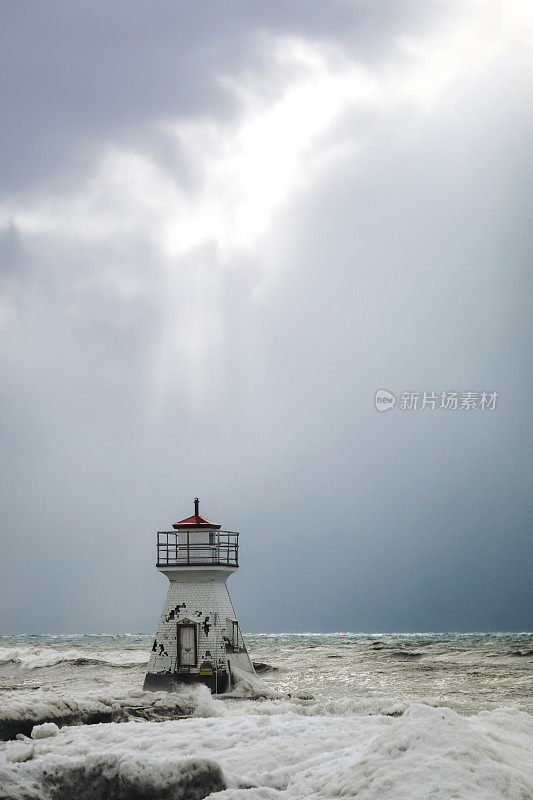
[[36, 657], [405, 656]]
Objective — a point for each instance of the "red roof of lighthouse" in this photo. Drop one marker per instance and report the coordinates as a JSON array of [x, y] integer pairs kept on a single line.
[[196, 520]]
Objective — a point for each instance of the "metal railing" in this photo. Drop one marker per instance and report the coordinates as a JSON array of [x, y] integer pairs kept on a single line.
[[179, 549]]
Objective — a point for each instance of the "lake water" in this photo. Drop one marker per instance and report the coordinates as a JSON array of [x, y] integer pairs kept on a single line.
[[374, 717]]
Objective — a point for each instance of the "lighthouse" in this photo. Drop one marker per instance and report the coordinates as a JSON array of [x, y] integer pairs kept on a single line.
[[199, 638]]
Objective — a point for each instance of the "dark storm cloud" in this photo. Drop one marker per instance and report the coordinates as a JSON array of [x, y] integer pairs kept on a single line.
[[136, 377], [75, 73]]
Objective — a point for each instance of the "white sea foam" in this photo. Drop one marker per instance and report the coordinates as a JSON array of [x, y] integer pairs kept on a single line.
[[427, 752]]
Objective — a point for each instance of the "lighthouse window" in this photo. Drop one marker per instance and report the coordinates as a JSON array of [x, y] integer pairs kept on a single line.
[[235, 636]]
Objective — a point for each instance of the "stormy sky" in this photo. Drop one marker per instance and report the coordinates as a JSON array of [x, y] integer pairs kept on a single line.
[[223, 227]]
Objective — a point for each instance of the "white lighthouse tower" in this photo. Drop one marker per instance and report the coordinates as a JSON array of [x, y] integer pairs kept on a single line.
[[198, 638]]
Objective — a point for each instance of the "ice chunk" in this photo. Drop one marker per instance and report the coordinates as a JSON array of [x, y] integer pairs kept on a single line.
[[16, 752], [44, 731], [113, 777]]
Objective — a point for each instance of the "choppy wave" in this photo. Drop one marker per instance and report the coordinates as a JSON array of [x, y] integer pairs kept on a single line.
[[401, 655], [33, 657]]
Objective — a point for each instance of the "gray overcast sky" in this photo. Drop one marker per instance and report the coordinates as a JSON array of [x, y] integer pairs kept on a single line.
[[223, 227]]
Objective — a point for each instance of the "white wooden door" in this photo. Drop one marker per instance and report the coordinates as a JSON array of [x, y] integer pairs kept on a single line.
[[187, 645]]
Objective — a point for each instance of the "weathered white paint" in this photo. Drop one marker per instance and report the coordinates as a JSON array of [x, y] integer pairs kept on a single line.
[[198, 596]]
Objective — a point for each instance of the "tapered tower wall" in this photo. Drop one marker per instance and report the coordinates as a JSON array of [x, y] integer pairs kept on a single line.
[[197, 597]]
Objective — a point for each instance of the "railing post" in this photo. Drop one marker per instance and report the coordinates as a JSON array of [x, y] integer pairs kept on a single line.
[[222, 549]]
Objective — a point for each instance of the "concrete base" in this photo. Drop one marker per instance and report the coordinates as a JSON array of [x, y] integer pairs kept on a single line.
[[171, 681]]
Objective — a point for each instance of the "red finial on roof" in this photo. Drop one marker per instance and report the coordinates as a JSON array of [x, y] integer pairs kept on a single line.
[[196, 520]]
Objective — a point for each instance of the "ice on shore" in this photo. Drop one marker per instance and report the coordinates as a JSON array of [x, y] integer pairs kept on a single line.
[[22, 714], [16, 752], [426, 752], [117, 777], [44, 731], [28, 713]]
